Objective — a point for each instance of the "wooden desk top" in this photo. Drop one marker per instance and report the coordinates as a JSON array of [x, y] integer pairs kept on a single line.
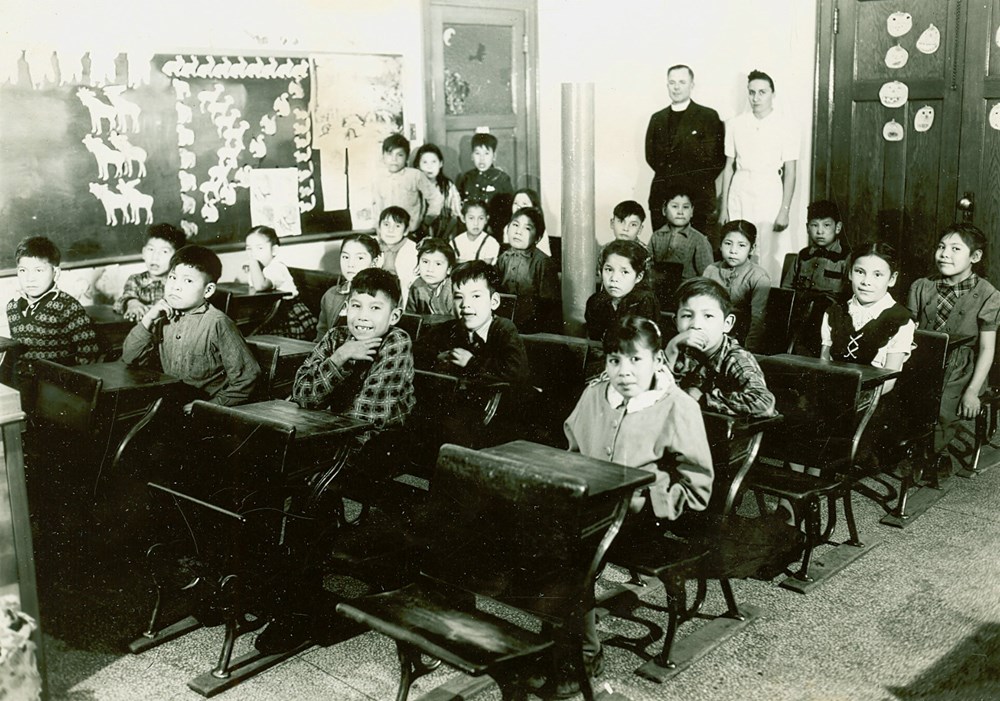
[[310, 424], [602, 478], [241, 289], [117, 376], [105, 314], [286, 346], [870, 376]]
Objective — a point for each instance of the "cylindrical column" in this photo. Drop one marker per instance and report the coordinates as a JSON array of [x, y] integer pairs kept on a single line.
[[579, 247]]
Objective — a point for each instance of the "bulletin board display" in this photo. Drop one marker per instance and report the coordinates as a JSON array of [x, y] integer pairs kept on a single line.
[[92, 153]]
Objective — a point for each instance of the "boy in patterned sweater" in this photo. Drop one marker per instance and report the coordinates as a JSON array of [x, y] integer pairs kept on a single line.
[[47, 323]]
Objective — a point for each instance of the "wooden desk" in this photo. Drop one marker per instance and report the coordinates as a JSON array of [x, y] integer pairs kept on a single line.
[[127, 390], [247, 307], [110, 326], [292, 352], [871, 377]]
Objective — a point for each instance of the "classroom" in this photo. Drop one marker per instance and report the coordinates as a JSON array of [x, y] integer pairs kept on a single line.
[[454, 349]]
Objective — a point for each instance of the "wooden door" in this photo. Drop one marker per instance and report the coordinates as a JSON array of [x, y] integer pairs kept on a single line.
[[898, 191], [479, 79]]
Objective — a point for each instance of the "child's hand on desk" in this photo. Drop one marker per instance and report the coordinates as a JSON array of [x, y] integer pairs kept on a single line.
[[692, 338], [159, 309], [135, 310], [969, 406], [457, 356], [356, 350]]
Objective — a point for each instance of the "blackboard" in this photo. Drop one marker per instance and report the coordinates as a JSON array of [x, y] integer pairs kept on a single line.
[[90, 161]]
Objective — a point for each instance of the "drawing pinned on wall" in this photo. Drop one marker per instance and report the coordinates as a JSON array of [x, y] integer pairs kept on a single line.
[[896, 56], [994, 118], [893, 94], [899, 23], [358, 101], [923, 119], [929, 40], [274, 200], [893, 131]]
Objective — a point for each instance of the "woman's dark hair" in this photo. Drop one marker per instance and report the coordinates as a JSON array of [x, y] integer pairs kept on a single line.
[[742, 226], [633, 251], [536, 201], [880, 250], [442, 181], [631, 331], [760, 75], [536, 217]]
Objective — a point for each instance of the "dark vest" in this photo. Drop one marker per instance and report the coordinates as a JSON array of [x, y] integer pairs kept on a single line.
[[863, 345]]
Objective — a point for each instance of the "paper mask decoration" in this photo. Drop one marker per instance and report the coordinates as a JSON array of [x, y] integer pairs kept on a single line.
[[923, 119], [899, 23], [995, 116], [929, 40], [892, 131], [896, 57], [893, 94]]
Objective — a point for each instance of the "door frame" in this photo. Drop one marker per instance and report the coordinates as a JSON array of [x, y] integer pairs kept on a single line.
[[529, 8]]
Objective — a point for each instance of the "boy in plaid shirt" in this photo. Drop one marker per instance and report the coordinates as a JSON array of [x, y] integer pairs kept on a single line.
[[363, 369], [708, 363], [143, 289]]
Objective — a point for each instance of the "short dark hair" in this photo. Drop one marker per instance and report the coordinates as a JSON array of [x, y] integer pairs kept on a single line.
[[396, 214], [536, 200], [483, 139], [680, 66], [267, 232], [476, 270], [200, 258], [703, 287], [536, 217], [971, 236], [432, 244], [394, 141], [167, 232], [470, 203], [628, 208], [742, 226], [760, 75], [631, 331], [879, 250], [823, 209], [366, 240], [677, 189], [633, 251], [38, 247], [372, 280]]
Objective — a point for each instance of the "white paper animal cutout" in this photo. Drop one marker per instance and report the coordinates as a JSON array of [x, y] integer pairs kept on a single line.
[[923, 119], [899, 23], [281, 106], [184, 113], [189, 228], [225, 121], [306, 190], [235, 134], [257, 148], [216, 109], [105, 157], [182, 89], [893, 94], [126, 112], [269, 125], [896, 57], [187, 158], [892, 131], [205, 69], [295, 90], [307, 205], [131, 153], [303, 156], [929, 40], [188, 204], [99, 111], [185, 136], [138, 202], [209, 212], [995, 117], [113, 202], [188, 181], [208, 97]]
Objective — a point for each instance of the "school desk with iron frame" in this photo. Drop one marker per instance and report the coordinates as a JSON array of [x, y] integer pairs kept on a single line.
[[110, 326]]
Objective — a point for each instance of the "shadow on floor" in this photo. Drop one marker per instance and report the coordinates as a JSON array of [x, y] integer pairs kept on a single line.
[[969, 672]]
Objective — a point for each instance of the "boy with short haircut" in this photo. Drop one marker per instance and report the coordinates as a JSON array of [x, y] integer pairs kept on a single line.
[[485, 180], [477, 343], [475, 243], [48, 323], [822, 266], [142, 289], [677, 242], [399, 252], [707, 362], [627, 220], [358, 252], [364, 369], [195, 342], [431, 292], [401, 186]]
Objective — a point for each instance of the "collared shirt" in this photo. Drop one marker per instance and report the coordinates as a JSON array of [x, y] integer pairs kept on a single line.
[[687, 246], [53, 327], [380, 392], [141, 286], [483, 185], [819, 269], [485, 247], [202, 348], [748, 286], [762, 144], [901, 342], [424, 299], [410, 189], [730, 380]]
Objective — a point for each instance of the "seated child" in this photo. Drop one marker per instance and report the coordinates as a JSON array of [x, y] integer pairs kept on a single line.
[[477, 343], [960, 303], [530, 274], [48, 323], [430, 293], [266, 272], [677, 242], [822, 265], [195, 342], [399, 253], [638, 417], [526, 197], [364, 369], [747, 284], [707, 362], [358, 252], [142, 289], [475, 243], [430, 161], [627, 221], [408, 188], [485, 180], [623, 267]]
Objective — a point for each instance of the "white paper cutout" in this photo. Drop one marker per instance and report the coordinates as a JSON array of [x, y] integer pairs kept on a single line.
[[998, 36], [894, 94], [892, 131], [923, 119], [929, 40], [896, 57], [995, 116], [899, 23]]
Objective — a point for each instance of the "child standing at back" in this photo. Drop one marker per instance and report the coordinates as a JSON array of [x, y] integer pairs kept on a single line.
[[357, 252], [266, 272], [475, 243], [960, 303], [627, 221], [484, 181], [430, 162], [431, 291], [399, 252], [747, 284], [530, 274], [408, 188], [623, 268], [142, 289]]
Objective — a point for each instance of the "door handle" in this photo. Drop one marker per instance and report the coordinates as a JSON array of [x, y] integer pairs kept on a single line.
[[966, 206]]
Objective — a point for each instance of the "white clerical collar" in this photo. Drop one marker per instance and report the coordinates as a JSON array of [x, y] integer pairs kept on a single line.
[[680, 106]]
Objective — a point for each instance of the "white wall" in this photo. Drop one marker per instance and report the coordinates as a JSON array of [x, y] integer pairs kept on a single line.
[[624, 47]]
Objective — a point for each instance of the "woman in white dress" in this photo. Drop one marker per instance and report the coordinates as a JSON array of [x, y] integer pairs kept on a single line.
[[758, 181]]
